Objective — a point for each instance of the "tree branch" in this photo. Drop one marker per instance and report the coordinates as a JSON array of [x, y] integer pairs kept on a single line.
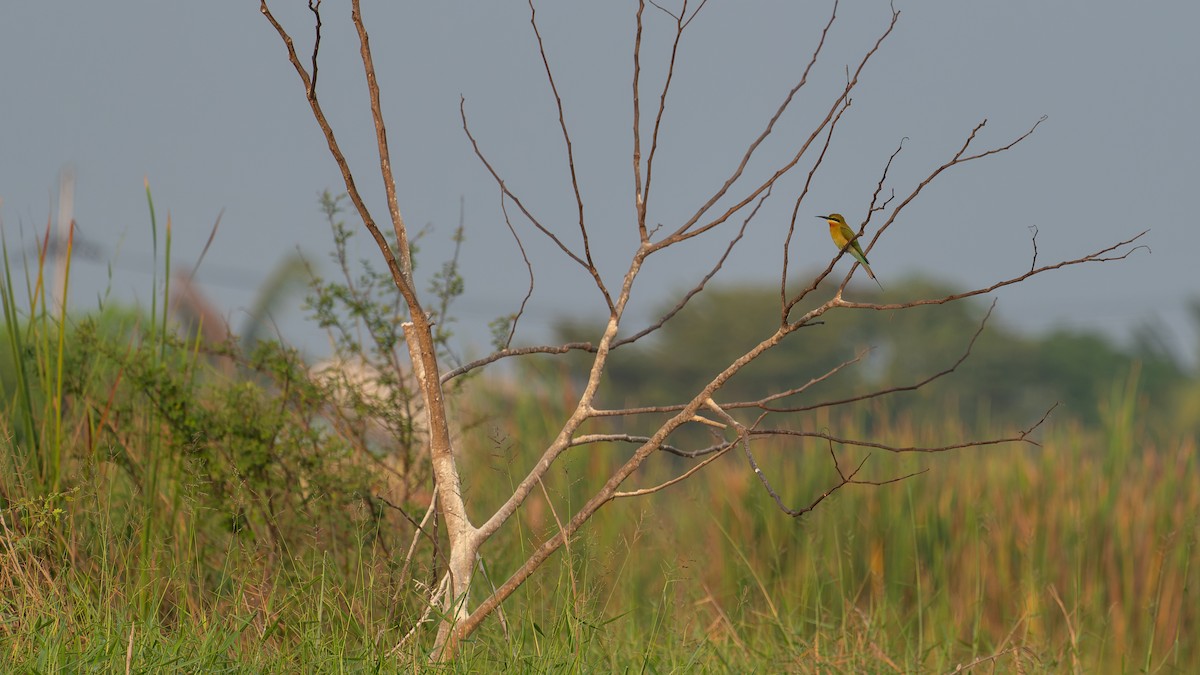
[[678, 479], [893, 390], [957, 159], [562, 123], [1021, 437], [639, 199], [590, 439], [528, 266], [585, 264], [1098, 256], [685, 230], [954, 161], [402, 281], [680, 24], [843, 481], [787, 242], [385, 158], [519, 351], [695, 290]]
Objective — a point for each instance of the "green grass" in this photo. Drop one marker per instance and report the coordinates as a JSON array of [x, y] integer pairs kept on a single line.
[[162, 510]]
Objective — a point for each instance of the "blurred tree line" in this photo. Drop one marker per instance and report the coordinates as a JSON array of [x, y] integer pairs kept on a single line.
[[1009, 377]]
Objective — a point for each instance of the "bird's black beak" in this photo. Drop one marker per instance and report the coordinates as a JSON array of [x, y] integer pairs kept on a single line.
[[823, 217]]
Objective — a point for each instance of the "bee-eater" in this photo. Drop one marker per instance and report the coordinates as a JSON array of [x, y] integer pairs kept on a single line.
[[846, 240]]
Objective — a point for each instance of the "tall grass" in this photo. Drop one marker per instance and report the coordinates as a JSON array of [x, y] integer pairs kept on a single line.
[[1078, 555], [158, 513]]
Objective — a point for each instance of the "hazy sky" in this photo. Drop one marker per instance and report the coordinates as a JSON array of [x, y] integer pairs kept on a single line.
[[199, 98]]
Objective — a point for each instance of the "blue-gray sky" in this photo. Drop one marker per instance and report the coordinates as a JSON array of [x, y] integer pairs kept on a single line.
[[199, 98]]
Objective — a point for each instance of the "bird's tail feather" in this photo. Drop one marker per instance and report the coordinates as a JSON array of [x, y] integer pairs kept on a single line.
[[872, 275]]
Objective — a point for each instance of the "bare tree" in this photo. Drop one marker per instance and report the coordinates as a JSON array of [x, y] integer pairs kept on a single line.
[[724, 216]]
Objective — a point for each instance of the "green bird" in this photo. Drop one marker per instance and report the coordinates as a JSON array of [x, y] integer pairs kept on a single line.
[[846, 240]]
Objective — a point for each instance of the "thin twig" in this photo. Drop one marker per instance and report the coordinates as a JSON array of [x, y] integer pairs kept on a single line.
[[562, 123], [678, 479], [519, 351], [591, 439], [681, 23], [844, 480], [315, 8], [757, 403], [412, 547], [431, 604], [960, 157], [462, 109], [528, 266], [638, 196], [1021, 437], [1033, 229], [908, 387], [887, 167]]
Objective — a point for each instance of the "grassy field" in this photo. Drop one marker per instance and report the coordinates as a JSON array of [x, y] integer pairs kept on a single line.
[[1075, 557], [165, 506]]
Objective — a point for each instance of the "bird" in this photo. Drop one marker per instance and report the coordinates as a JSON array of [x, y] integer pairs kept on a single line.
[[846, 240]]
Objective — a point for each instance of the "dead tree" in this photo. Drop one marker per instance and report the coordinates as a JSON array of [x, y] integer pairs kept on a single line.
[[725, 215]]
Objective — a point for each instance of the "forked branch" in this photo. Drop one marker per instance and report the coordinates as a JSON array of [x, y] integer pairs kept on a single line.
[[844, 479], [766, 132], [403, 280], [584, 262], [562, 124]]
